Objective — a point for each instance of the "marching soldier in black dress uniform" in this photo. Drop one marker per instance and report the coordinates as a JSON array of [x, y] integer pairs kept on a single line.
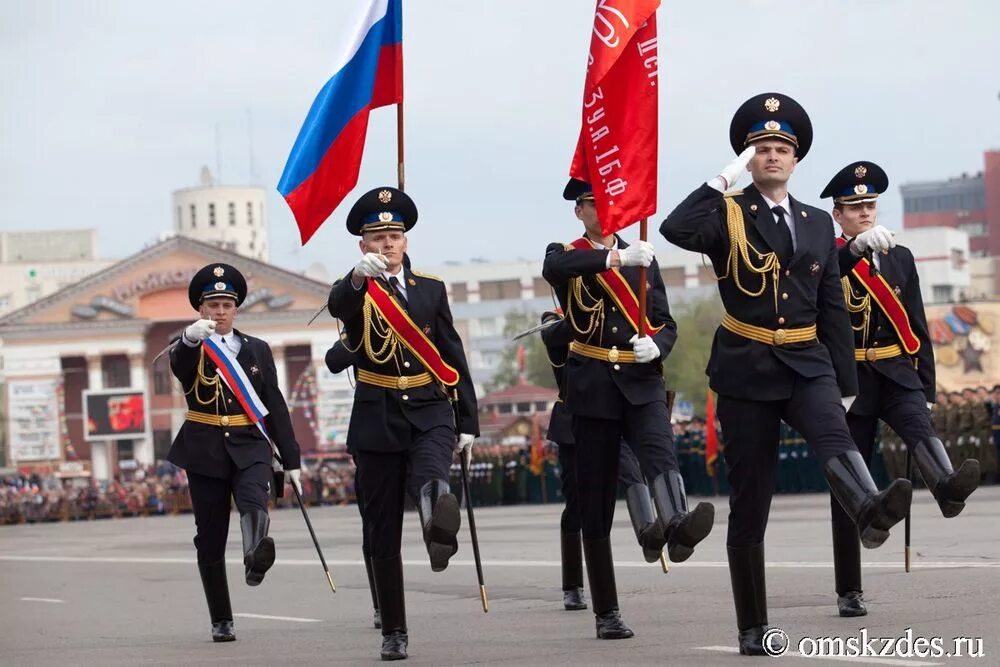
[[648, 532], [409, 364], [614, 389], [338, 358], [784, 350], [225, 455], [895, 362]]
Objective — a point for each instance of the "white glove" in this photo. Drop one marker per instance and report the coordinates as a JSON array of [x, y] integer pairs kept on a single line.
[[294, 478], [638, 254], [465, 442], [930, 406], [200, 330], [847, 402], [732, 171], [876, 239], [372, 264], [645, 349]]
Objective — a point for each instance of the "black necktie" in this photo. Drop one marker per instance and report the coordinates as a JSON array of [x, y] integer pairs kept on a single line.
[[394, 284], [786, 249]]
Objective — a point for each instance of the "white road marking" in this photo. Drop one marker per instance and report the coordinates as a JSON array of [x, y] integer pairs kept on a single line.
[[293, 619], [49, 600], [860, 659], [311, 562]]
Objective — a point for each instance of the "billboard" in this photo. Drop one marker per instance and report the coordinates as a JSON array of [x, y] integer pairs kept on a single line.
[[33, 419], [115, 414]]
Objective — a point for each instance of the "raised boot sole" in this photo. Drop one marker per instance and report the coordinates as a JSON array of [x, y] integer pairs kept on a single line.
[[952, 492], [890, 508], [441, 535], [691, 530], [260, 561]]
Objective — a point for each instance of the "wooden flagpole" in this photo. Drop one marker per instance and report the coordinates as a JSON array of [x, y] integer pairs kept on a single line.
[[642, 284]]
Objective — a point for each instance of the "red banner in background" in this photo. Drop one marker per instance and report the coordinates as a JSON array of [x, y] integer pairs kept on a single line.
[[711, 437], [616, 151]]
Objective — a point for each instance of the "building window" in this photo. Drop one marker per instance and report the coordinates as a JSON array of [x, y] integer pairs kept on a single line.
[[542, 288], [251, 245], [161, 379], [941, 293], [524, 407], [541, 406], [706, 275], [488, 327], [33, 292], [250, 213], [973, 229], [505, 408], [232, 214], [211, 215], [162, 440], [115, 371], [194, 216], [180, 219], [126, 450], [459, 292], [5, 302], [957, 259], [673, 276], [498, 290]]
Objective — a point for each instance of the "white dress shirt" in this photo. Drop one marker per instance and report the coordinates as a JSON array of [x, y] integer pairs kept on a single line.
[[787, 206]]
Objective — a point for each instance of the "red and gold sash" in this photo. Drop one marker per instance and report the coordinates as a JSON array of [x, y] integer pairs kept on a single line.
[[409, 333], [620, 291], [887, 301]]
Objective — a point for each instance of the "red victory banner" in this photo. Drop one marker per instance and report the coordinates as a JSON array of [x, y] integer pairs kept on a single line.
[[616, 151]]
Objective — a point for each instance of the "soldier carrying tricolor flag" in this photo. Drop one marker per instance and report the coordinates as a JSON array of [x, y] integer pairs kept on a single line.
[[614, 384]]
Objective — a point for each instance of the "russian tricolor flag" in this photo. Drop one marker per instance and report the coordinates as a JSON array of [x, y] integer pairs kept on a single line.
[[323, 166]]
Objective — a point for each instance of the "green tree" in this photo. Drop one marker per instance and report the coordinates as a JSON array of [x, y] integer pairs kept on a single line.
[[537, 368], [684, 369]]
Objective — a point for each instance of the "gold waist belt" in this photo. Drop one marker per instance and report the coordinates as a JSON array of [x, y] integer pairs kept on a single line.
[[218, 420], [614, 355], [876, 353], [775, 337], [394, 381]]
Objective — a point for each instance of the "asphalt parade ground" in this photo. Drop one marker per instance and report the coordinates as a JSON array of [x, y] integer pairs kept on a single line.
[[127, 592]]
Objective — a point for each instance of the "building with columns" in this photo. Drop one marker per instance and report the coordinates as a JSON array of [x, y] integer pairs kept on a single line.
[[103, 333]]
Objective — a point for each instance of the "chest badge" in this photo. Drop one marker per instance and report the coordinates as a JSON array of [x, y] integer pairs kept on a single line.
[[814, 268], [427, 329], [897, 290], [254, 369]]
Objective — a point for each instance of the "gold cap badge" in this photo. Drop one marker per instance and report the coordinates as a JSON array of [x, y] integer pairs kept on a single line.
[[385, 196], [860, 172], [772, 126], [772, 104], [219, 272]]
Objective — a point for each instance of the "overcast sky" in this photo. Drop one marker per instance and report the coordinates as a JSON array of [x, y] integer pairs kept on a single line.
[[109, 106]]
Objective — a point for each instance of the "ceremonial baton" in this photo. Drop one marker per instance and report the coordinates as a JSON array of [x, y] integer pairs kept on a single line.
[[472, 517], [538, 327], [305, 515], [472, 531], [906, 524]]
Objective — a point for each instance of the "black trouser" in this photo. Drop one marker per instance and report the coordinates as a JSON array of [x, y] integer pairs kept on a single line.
[[360, 499], [629, 470], [598, 442], [386, 477], [750, 432], [210, 499], [570, 521], [906, 413]]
